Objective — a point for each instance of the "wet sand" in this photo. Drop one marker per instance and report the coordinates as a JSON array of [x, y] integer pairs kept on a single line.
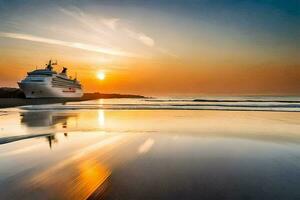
[[149, 154]]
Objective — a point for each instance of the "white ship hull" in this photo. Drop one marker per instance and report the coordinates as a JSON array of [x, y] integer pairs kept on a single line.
[[47, 83], [42, 90]]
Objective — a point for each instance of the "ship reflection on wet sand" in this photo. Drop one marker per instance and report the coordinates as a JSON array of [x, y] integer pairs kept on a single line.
[[47, 119], [140, 154]]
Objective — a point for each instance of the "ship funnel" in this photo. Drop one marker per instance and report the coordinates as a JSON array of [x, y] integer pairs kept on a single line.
[[64, 71]]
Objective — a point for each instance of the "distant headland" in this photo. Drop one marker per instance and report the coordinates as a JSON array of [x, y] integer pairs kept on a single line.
[[11, 97]]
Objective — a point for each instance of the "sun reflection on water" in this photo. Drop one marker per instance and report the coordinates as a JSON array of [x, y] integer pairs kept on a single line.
[[101, 118], [92, 175]]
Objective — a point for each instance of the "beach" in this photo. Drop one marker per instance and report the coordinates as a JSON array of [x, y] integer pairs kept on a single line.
[[131, 149]]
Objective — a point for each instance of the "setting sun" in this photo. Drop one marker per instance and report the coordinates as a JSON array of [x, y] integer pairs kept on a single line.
[[101, 75]]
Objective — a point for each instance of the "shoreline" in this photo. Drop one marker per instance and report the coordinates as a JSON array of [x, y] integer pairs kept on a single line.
[[15, 102]]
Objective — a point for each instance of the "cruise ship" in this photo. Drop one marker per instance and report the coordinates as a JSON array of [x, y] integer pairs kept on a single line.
[[47, 83]]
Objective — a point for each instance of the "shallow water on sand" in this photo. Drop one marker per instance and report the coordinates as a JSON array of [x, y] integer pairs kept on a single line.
[[74, 152]]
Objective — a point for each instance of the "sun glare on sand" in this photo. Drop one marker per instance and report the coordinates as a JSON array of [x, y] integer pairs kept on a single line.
[[101, 75]]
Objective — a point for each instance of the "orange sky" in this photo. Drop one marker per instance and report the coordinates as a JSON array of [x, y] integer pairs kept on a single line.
[[150, 51], [155, 78]]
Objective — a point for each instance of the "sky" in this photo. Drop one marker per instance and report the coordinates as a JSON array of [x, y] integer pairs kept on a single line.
[[157, 47]]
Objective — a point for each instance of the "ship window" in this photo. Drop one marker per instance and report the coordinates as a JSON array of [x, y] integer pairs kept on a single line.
[[32, 92]]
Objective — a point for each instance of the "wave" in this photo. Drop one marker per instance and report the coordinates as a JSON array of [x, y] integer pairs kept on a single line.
[[227, 100], [250, 101], [283, 108], [287, 104]]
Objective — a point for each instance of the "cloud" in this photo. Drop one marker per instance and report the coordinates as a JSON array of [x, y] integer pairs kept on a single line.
[[146, 40], [80, 16], [75, 45], [111, 23], [116, 24]]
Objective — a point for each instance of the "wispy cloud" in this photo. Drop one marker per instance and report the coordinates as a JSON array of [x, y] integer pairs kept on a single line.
[[81, 17], [75, 45], [111, 23], [146, 40], [100, 27]]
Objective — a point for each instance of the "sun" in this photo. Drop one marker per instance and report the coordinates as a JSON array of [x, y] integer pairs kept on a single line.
[[101, 75]]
